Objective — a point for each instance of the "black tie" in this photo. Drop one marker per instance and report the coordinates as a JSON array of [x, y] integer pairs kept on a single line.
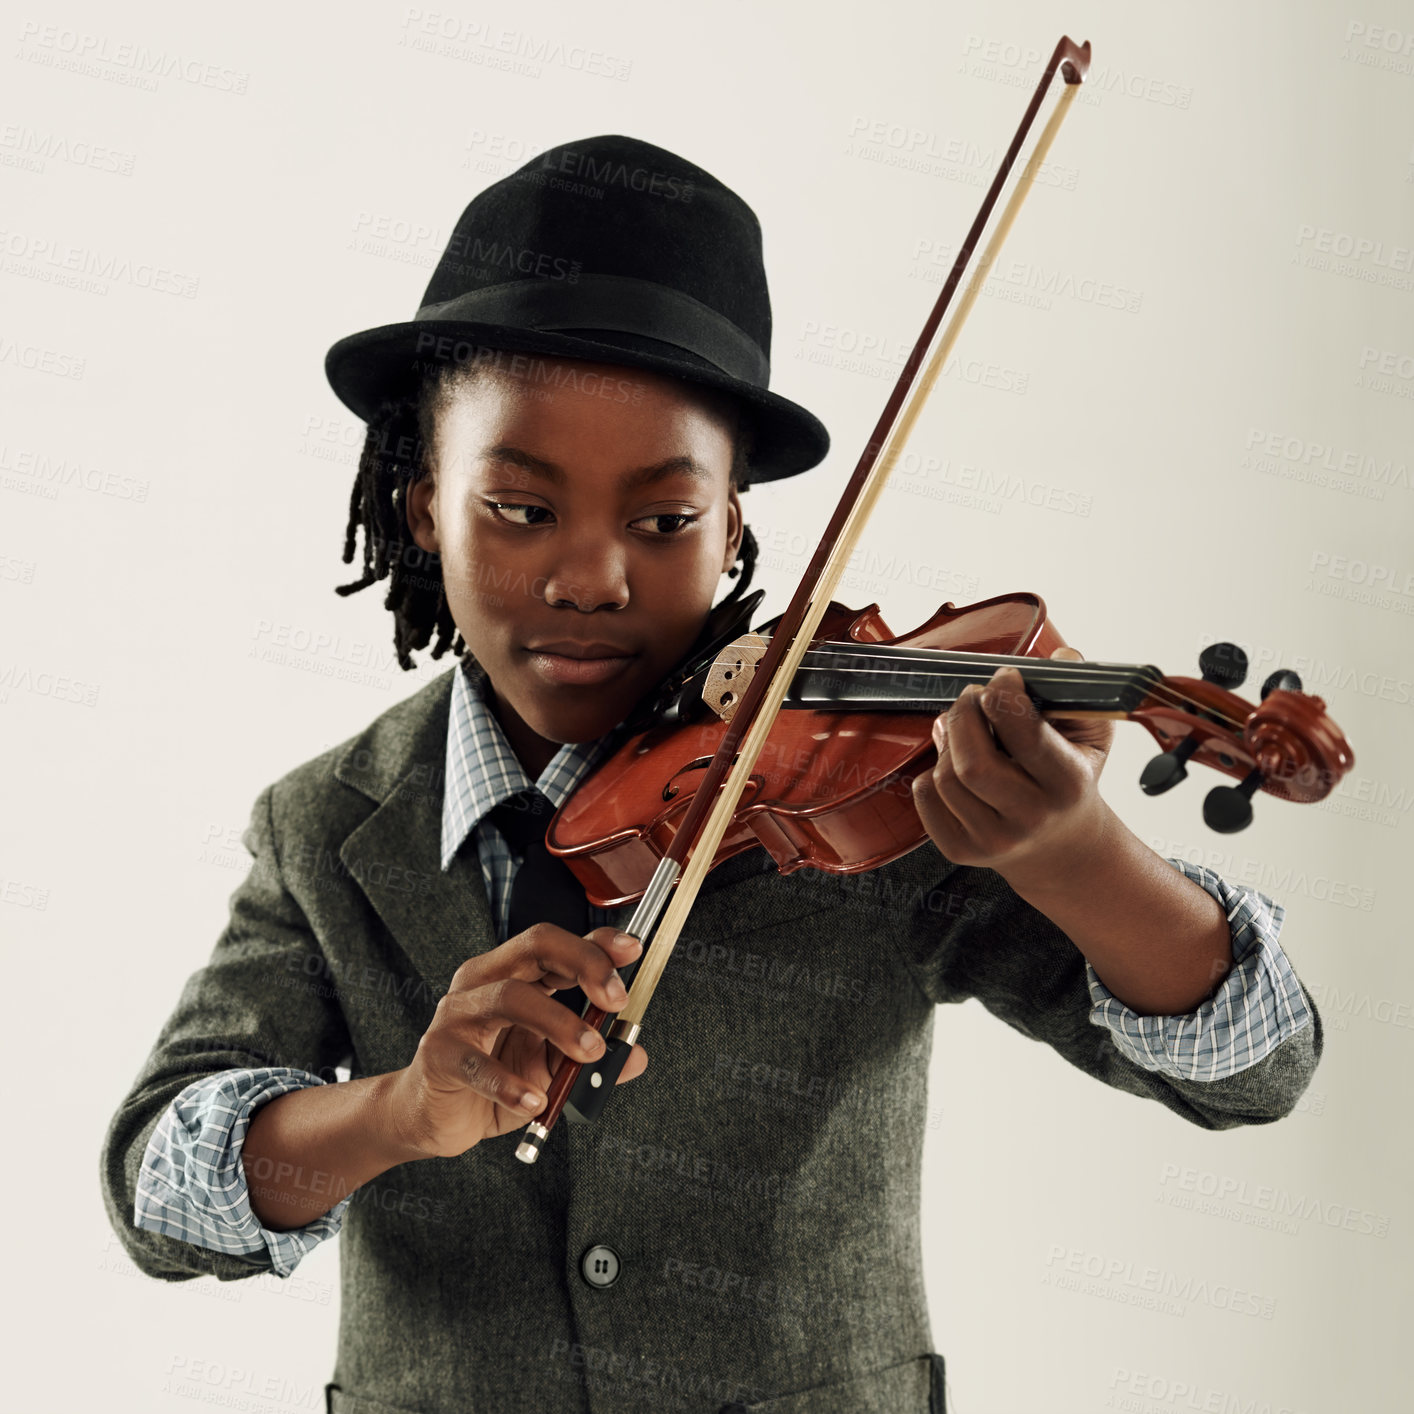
[[544, 890]]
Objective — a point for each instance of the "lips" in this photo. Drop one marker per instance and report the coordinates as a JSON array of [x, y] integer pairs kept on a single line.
[[569, 648], [568, 664]]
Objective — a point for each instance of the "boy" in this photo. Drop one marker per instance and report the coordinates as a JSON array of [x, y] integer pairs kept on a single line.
[[551, 479]]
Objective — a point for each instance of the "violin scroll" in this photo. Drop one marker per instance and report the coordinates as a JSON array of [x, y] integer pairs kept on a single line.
[[1286, 746]]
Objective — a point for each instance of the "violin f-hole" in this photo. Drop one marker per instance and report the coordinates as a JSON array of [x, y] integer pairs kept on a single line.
[[699, 763]]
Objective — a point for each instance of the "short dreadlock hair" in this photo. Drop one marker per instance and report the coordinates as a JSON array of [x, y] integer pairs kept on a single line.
[[399, 450]]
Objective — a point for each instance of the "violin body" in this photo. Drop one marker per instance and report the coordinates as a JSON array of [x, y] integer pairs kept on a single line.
[[833, 786], [831, 789]]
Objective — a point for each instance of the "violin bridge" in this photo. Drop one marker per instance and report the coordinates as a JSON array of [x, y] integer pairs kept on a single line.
[[731, 672]]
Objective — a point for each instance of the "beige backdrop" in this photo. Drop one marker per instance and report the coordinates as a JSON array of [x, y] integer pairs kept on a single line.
[[1183, 413]]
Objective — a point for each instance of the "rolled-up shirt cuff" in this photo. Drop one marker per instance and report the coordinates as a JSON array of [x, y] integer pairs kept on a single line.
[[1259, 1005], [192, 1183]]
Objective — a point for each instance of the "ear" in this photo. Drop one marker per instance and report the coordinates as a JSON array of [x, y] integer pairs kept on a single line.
[[736, 523], [421, 514]]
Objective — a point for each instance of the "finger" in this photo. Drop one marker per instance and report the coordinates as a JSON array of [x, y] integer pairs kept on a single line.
[[1041, 754], [1070, 655], [527, 1055], [1096, 732], [943, 827], [976, 819], [491, 1079], [953, 817], [981, 772], [547, 951], [477, 1017], [621, 947], [634, 1066]]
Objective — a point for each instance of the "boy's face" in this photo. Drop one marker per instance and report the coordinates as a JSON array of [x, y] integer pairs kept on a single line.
[[582, 549]]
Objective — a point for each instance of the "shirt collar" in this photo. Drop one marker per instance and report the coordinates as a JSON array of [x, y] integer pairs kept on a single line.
[[482, 770]]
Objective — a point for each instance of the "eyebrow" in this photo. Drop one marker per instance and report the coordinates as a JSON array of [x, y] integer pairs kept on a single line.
[[631, 480]]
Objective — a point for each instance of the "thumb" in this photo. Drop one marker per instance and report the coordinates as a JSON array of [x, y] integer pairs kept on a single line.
[[1097, 732]]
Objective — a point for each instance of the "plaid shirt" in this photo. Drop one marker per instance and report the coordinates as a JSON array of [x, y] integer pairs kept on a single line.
[[192, 1184]]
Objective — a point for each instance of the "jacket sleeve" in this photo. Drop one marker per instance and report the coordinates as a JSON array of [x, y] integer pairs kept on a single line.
[[265, 998], [192, 1183], [983, 940]]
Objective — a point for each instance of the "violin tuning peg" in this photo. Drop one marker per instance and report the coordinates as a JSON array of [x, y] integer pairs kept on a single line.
[[1228, 809], [1167, 769], [1224, 664], [1283, 680]]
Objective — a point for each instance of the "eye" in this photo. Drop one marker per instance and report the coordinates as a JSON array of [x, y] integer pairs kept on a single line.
[[671, 515], [503, 510], [499, 507]]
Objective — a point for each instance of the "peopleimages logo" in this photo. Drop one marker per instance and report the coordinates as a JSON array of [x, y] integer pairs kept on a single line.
[[605, 172], [1379, 47], [510, 50], [1354, 255], [98, 56], [493, 254], [32, 149], [1023, 281], [56, 261], [1308, 459], [1265, 1199], [1017, 65], [1137, 1392], [1149, 1288]]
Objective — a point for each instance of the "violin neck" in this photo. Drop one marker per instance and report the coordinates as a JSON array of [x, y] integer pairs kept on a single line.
[[867, 677]]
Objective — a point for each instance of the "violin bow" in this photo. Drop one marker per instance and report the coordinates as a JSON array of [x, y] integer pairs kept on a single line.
[[675, 883]]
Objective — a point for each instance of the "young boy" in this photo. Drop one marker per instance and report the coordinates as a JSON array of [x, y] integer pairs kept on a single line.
[[556, 450]]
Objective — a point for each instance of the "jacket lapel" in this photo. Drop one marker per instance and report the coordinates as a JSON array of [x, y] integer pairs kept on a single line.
[[438, 919]]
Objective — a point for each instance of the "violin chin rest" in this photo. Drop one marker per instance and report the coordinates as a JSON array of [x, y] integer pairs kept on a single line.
[[672, 701]]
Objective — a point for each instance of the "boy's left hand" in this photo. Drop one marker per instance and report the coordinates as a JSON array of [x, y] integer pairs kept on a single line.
[[1012, 790]]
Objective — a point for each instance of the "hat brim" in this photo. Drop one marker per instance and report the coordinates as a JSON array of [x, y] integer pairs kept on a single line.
[[366, 368]]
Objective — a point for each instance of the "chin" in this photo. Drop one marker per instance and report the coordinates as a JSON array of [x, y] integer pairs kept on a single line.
[[588, 719]]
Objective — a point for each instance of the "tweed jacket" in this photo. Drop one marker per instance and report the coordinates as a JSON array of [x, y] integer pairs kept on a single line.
[[760, 1183]]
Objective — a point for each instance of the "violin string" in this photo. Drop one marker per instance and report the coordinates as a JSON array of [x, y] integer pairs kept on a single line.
[[1167, 695], [938, 666], [980, 661], [1061, 674]]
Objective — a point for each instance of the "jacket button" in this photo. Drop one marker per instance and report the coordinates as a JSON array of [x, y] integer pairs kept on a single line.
[[600, 1266]]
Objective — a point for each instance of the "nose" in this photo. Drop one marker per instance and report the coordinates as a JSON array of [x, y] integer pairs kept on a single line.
[[589, 572]]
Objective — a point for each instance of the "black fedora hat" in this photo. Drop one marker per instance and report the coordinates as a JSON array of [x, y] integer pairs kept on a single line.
[[608, 250]]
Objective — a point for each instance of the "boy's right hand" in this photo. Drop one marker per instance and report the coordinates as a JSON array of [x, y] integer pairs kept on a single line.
[[499, 1034]]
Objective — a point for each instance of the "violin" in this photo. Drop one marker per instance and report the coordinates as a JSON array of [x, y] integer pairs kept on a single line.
[[832, 789], [805, 736]]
